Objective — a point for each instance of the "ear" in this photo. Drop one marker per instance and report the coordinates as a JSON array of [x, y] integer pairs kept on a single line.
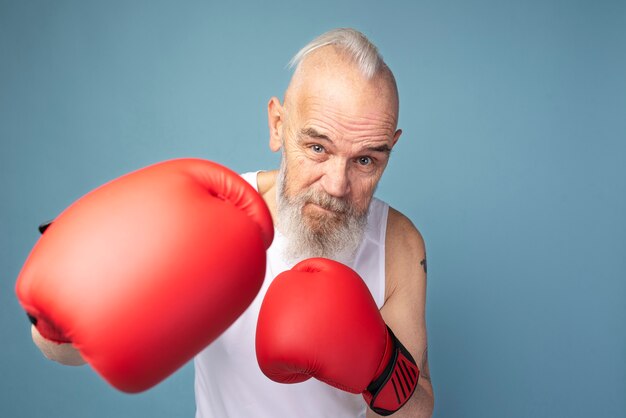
[[396, 136], [275, 121]]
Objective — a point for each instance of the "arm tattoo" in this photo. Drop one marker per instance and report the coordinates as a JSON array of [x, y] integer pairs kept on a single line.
[[423, 263]]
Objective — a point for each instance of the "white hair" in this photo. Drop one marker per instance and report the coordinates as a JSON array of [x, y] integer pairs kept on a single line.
[[354, 43]]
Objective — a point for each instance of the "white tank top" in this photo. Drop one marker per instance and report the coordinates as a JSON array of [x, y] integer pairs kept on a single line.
[[228, 381]]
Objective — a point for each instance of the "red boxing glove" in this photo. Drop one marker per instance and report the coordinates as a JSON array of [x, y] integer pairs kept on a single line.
[[144, 272], [320, 320]]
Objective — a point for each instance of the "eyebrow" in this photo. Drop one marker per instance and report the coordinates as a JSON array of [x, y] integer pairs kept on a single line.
[[312, 133], [381, 148]]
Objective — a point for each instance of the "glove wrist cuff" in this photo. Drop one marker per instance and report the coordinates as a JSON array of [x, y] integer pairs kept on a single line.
[[395, 385]]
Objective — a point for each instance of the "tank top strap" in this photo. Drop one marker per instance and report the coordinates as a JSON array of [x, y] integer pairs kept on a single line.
[[370, 258], [250, 177]]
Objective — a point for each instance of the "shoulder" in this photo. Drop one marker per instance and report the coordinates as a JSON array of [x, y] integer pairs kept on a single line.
[[405, 252], [403, 238], [266, 180], [266, 186]]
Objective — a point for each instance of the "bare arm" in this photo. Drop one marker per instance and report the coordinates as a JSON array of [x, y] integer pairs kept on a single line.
[[61, 353], [405, 306]]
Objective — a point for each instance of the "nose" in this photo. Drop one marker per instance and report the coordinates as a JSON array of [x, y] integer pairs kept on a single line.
[[336, 181]]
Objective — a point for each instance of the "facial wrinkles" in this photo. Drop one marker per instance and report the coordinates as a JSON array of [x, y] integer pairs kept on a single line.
[[355, 115], [353, 128], [339, 208], [351, 135], [351, 138]]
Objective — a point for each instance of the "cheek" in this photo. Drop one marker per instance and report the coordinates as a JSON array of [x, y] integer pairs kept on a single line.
[[362, 191], [300, 174]]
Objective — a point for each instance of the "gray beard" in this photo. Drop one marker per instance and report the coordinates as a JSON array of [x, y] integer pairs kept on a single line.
[[335, 236]]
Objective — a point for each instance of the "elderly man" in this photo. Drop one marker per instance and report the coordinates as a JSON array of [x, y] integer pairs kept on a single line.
[[335, 129]]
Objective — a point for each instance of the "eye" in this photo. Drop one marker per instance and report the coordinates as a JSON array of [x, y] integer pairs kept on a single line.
[[317, 148], [364, 161]]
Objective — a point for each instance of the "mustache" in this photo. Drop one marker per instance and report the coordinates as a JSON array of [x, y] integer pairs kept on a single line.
[[328, 202]]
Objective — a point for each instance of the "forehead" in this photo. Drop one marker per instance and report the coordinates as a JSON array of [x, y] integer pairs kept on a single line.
[[333, 119], [328, 84]]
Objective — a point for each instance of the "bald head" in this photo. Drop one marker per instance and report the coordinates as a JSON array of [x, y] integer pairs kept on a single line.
[[342, 56]]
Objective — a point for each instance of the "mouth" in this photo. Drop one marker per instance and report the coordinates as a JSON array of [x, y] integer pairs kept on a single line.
[[324, 209], [318, 207]]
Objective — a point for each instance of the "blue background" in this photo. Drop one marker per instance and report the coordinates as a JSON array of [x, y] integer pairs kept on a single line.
[[512, 164]]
